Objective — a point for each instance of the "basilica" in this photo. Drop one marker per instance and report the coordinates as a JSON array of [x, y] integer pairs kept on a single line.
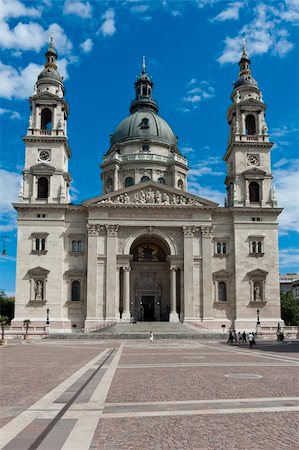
[[146, 249]]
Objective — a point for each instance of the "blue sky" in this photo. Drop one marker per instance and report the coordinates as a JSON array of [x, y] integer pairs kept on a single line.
[[192, 50]]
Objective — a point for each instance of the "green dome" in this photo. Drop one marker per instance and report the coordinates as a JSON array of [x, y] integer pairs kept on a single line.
[[144, 125]]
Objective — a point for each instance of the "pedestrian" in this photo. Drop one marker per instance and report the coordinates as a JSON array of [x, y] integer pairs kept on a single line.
[[230, 338], [151, 337], [250, 339], [244, 337], [240, 338], [235, 336]]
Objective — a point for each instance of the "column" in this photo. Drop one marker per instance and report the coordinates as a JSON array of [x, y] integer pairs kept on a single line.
[[115, 176], [126, 316], [173, 315], [111, 269], [207, 299], [188, 271], [117, 297], [91, 309]]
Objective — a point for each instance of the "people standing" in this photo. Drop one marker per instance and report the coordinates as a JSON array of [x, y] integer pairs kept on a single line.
[[151, 337], [230, 338], [244, 337], [250, 339]]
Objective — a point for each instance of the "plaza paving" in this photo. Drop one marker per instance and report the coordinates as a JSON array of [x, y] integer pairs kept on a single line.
[[174, 395]]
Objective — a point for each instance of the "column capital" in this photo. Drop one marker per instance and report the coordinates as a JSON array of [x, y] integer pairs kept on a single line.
[[127, 268], [112, 230], [173, 269], [190, 230], [94, 229], [207, 231]]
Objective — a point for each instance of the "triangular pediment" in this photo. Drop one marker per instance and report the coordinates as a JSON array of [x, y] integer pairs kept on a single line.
[[38, 271], [254, 171], [251, 102], [257, 273], [42, 168], [150, 193], [45, 96]]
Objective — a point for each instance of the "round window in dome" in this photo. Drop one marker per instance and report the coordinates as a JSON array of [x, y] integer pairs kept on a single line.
[[161, 180], [144, 179]]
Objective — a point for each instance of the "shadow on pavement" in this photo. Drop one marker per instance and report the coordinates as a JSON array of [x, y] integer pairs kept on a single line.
[[287, 346]]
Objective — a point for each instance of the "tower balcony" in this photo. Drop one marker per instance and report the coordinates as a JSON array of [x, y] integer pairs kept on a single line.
[[251, 138], [39, 132], [145, 157]]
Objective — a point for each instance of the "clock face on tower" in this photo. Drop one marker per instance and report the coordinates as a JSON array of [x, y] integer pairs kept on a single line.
[[44, 155], [252, 160]]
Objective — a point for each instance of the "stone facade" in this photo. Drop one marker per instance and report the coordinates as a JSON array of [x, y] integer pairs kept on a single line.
[[146, 250]]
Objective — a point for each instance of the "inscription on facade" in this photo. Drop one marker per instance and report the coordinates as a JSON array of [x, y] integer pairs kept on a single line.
[[148, 215]]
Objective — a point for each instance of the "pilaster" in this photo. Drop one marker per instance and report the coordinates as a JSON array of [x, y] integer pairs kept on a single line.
[[207, 300], [111, 271]]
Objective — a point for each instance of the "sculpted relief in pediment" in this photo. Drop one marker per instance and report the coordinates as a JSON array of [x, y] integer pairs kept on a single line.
[[150, 196]]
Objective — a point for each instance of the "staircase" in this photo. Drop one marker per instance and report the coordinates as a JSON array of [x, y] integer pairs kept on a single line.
[[141, 330]]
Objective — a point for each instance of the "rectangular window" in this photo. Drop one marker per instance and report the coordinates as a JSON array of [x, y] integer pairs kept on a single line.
[[39, 243], [256, 246], [221, 248], [76, 244]]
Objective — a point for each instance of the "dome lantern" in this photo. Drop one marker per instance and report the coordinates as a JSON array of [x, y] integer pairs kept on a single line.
[[144, 88]]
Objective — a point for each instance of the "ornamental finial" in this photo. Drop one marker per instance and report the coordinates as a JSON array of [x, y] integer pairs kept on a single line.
[[143, 65]]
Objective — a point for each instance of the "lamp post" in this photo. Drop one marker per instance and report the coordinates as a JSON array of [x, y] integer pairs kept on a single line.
[[48, 313], [258, 323]]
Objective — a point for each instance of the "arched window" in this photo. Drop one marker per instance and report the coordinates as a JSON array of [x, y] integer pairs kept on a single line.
[[109, 185], [222, 291], [76, 291], [161, 180], [129, 181], [46, 119], [144, 179], [180, 184], [42, 187], [254, 192], [145, 148], [250, 124], [74, 246]]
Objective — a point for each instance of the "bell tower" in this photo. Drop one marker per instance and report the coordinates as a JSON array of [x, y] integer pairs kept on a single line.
[[45, 177], [249, 179]]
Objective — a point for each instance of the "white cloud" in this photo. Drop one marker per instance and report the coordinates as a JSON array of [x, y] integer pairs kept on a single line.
[[230, 13], [289, 257], [287, 192], [15, 8], [32, 36], [9, 191], [9, 113], [78, 8], [206, 192], [284, 130], [186, 150], [265, 33], [139, 9], [196, 92], [18, 83], [108, 26], [87, 46]]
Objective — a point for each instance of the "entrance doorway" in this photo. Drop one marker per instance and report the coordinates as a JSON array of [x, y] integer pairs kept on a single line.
[[148, 303]]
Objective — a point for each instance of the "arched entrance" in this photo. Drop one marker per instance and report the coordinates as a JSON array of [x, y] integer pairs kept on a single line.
[[150, 279]]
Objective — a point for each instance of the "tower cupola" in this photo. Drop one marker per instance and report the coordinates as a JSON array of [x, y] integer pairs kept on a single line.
[[50, 76], [144, 88], [245, 76]]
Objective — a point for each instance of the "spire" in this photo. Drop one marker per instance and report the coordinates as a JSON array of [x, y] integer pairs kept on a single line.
[[143, 88], [50, 75], [143, 70], [51, 55], [245, 76]]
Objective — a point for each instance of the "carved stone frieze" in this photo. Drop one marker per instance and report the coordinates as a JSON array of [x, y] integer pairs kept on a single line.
[[149, 196], [112, 230]]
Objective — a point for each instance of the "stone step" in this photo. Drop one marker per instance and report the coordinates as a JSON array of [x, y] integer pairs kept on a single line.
[[141, 330]]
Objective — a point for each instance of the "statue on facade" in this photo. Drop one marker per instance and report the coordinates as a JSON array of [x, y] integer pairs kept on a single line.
[[165, 199], [257, 292], [30, 125], [126, 198], [150, 196], [60, 124], [38, 290], [158, 197], [142, 198]]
